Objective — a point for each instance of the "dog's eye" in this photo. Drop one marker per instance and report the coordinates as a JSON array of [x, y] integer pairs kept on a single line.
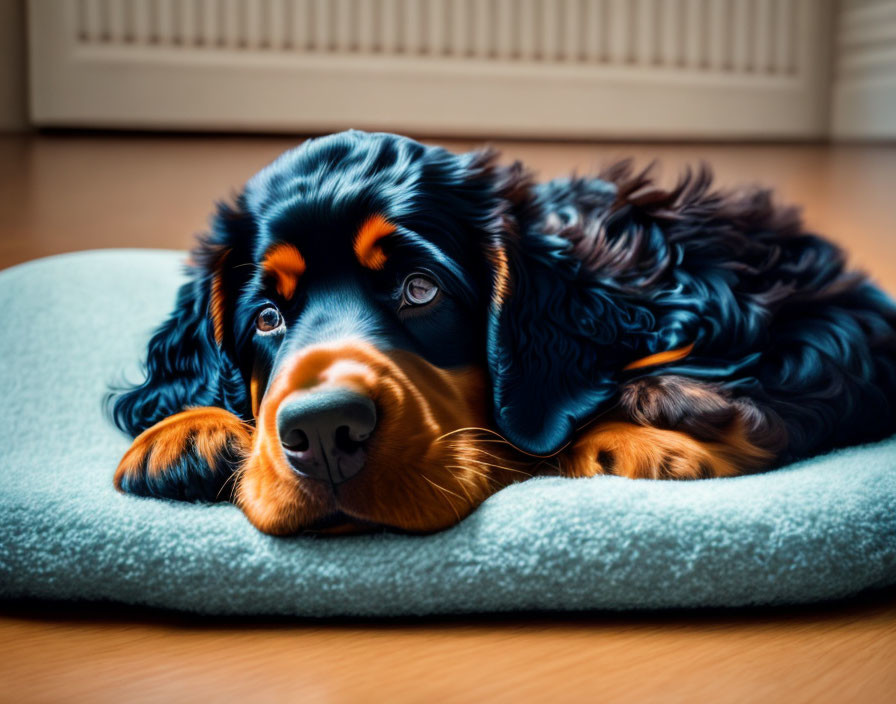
[[418, 290], [269, 320]]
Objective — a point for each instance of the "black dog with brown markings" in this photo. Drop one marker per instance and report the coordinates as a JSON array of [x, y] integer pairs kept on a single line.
[[382, 333]]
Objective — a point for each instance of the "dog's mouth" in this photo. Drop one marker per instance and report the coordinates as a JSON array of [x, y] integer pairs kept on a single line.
[[340, 523]]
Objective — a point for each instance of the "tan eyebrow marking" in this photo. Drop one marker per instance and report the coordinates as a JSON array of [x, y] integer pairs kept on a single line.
[[367, 248], [286, 264]]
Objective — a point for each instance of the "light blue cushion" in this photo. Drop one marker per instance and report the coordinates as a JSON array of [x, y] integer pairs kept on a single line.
[[70, 325]]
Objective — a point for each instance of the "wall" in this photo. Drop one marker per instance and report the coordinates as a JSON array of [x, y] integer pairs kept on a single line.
[[13, 68]]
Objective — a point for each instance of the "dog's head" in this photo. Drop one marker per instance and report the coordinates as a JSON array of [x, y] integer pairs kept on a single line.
[[397, 325]]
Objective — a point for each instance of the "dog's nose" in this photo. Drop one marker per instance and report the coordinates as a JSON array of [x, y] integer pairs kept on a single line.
[[323, 432]]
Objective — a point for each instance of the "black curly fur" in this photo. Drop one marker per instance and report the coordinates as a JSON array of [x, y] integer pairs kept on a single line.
[[580, 277], [776, 318]]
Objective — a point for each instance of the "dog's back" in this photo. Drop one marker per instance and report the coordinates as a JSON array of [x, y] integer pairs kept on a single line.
[[774, 313]]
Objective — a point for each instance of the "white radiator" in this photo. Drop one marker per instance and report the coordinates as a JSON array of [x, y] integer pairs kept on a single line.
[[864, 94], [569, 68]]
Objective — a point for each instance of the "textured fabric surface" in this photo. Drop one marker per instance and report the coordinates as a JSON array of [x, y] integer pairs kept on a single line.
[[70, 325]]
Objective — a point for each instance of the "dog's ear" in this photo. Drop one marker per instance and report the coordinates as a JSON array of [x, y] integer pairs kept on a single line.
[[190, 360], [556, 338]]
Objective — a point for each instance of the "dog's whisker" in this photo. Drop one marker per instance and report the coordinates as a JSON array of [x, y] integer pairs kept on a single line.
[[224, 486], [486, 475], [232, 480], [490, 454], [502, 467], [502, 440], [467, 468], [498, 463], [483, 441], [237, 475], [462, 482], [471, 429], [446, 491], [465, 471], [556, 466]]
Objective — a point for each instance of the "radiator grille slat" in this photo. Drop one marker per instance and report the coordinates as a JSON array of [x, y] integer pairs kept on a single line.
[[738, 36]]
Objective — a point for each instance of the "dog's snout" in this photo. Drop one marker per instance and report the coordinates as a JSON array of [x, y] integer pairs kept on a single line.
[[323, 432]]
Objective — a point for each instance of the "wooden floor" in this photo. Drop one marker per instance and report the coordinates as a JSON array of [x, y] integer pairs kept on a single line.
[[62, 193]]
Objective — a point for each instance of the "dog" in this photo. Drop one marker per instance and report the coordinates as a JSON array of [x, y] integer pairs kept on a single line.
[[378, 334]]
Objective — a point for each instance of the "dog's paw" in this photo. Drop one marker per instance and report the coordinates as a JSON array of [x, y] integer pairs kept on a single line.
[[640, 452], [189, 456], [750, 433], [703, 410]]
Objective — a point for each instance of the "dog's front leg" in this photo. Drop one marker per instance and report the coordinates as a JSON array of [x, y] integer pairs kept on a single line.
[[677, 428], [189, 456]]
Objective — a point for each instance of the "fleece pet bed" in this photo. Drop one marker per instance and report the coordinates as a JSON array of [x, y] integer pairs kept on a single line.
[[70, 325]]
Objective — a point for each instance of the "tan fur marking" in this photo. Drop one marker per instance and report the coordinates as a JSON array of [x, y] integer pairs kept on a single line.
[[501, 290], [207, 430], [644, 452], [367, 248], [217, 298], [253, 393], [417, 404], [286, 265], [660, 358], [216, 308]]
